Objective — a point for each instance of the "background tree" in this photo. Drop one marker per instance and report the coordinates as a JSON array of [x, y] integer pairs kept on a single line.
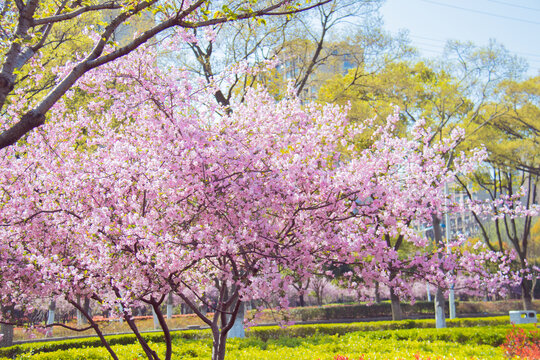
[[512, 171], [457, 91], [310, 49]]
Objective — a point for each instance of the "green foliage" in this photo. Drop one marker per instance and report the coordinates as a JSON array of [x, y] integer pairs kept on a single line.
[[360, 311]]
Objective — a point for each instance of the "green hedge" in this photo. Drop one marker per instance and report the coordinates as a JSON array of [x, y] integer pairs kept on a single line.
[[383, 309], [492, 307], [51, 346], [452, 343], [263, 333], [260, 332], [493, 336], [275, 332], [358, 311]]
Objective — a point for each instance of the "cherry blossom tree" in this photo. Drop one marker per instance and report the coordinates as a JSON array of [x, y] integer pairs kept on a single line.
[[152, 188], [34, 33], [412, 174], [156, 193]]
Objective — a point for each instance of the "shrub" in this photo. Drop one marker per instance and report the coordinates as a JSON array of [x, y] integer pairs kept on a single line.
[[491, 307], [383, 309], [92, 342], [522, 343], [274, 332], [362, 357], [358, 311]]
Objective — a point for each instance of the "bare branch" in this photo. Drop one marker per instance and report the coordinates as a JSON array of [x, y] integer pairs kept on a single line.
[[70, 327]]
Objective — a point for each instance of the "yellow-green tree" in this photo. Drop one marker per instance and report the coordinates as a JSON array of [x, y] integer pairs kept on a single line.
[[512, 140], [459, 91]]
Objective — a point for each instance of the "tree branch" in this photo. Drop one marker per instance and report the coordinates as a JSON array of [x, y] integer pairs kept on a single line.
[[74, 14]]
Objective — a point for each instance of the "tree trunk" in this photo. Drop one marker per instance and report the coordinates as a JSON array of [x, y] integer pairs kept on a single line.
[[170, 306], [218, 348], [237, 330], [526, 294], [156, 320], [50, 318], [397, 314], [95, 326], [301, 299], [452, 303], [7, 335], [164, 328], [319, 298], [440, 321], [228, 317], [377, 293], [79, 313], [87, 309]]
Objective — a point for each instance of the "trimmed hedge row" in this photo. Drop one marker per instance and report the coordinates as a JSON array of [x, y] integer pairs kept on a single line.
[[383, 309], [275, 332], [358, 311], [50, 346], [453, 343], [493, 307], [263, 333]]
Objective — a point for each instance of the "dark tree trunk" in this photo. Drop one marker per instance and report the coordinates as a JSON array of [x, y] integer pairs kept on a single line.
[[7, 329], [526, 294], [377, 293], [397, 314], [7, 339], [220, 333], [218, 349], [301, 300]]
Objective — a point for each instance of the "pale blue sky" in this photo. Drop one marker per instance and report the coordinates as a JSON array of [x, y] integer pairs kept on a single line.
[[513, 23]]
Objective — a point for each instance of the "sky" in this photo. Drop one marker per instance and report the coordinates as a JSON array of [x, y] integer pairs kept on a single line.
[[430, 23]]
